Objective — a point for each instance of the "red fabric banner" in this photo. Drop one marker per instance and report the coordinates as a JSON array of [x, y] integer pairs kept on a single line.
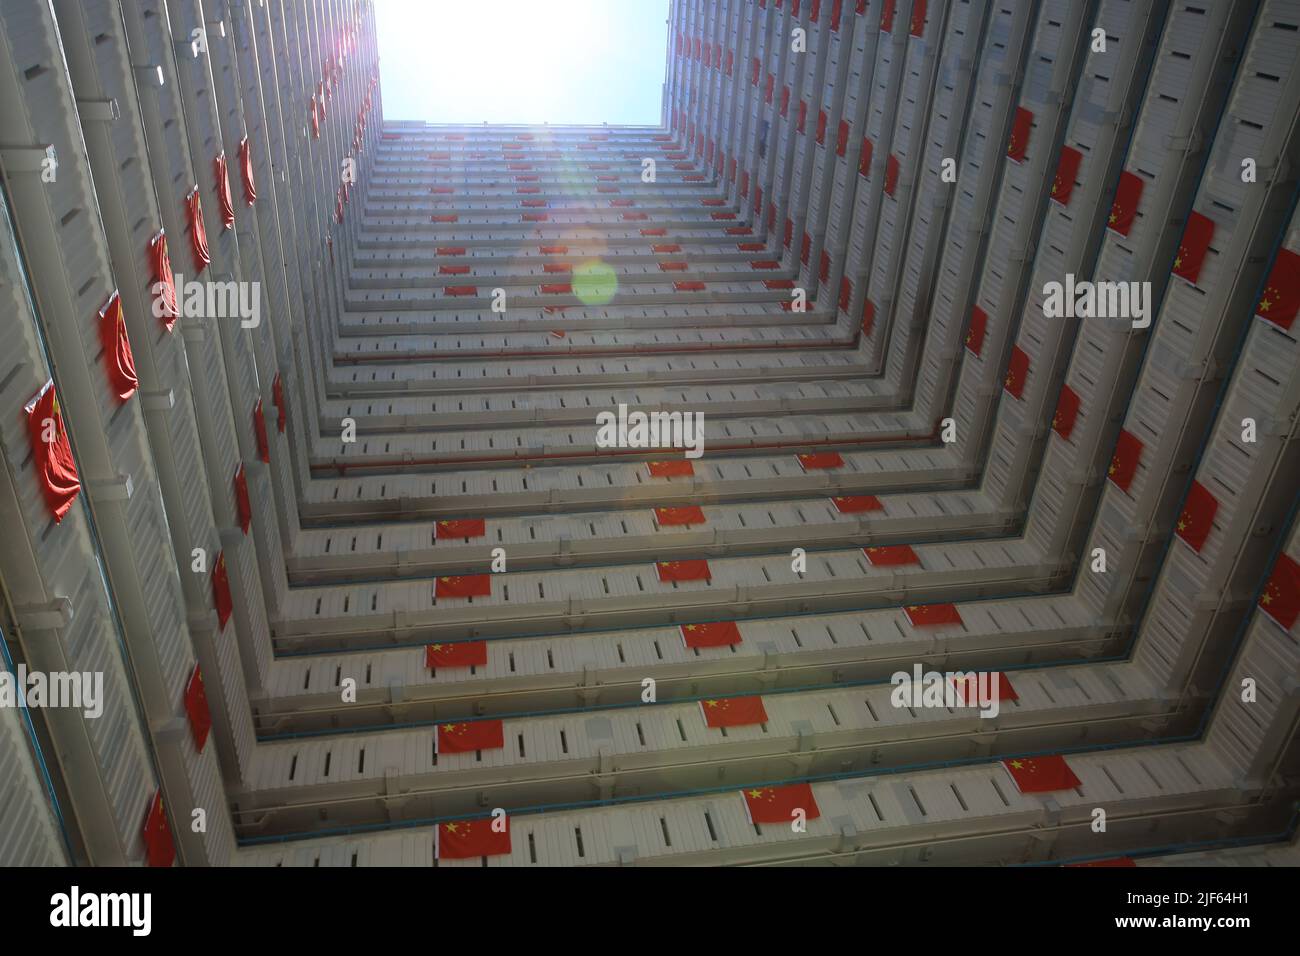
[[158, 847], [164, 282], [733, 712], [196, 708], [676, 468], [856, 504], [467, 839], [55, 468], [459, 654], [683, 515], [463, 586], [711, 634], [118, 361], [246, 170], [461, 528], [780, 804], [224, 196], [221, 591], [259, 430], [243, 506], [471, 736], [674, 571]]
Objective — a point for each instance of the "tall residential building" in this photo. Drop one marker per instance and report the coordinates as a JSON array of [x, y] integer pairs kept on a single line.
[[890, 458]]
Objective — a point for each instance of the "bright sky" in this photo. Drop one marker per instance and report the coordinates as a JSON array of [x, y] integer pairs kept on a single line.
[[523, 61]]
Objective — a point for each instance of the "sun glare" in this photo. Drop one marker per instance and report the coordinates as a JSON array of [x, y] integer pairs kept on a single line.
[[523, 61]]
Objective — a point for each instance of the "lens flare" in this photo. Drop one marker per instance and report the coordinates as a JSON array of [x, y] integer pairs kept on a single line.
[[595, 282]]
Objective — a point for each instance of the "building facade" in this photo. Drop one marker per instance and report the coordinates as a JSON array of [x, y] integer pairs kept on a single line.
[[890, 458]]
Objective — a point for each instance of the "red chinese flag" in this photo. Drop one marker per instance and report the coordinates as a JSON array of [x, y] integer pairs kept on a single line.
[[1067, 169], [764, 264], [454, 270], [864, 159], [462, 528], [198, 233], [243, 507], [674, 571], [461, 291], [1020, 128], [471, 736], [779, 804], [453, 250], [463, 586], [1197, 518], [277, 396], [677, 468], [224, 196], [856, 504], [246, 170], [1017, 372], [164, 283], [891, 174], [979, 323], [918, 18], [932, 615], [820, 461], [868, 316], [1281, 297], [1123, 210], [999, 686], [196, 708], [688, 286], [821, 127], [1195, 244], [685, 515], [158, 847], [118, 361], [221, 591], [560, 268], [733, 711], [259, 429], [459, 654], [887, 16], [52, 460], [891, 555], [556, 288], [1124, 463], [1281, 597], [672, 267], [1067, 412], [712, 634], [842, 138], [468, 839], [1041, 774]]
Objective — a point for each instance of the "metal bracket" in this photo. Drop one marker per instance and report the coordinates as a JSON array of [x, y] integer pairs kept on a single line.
[[53, 616], [98, 110], [117, 488]]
